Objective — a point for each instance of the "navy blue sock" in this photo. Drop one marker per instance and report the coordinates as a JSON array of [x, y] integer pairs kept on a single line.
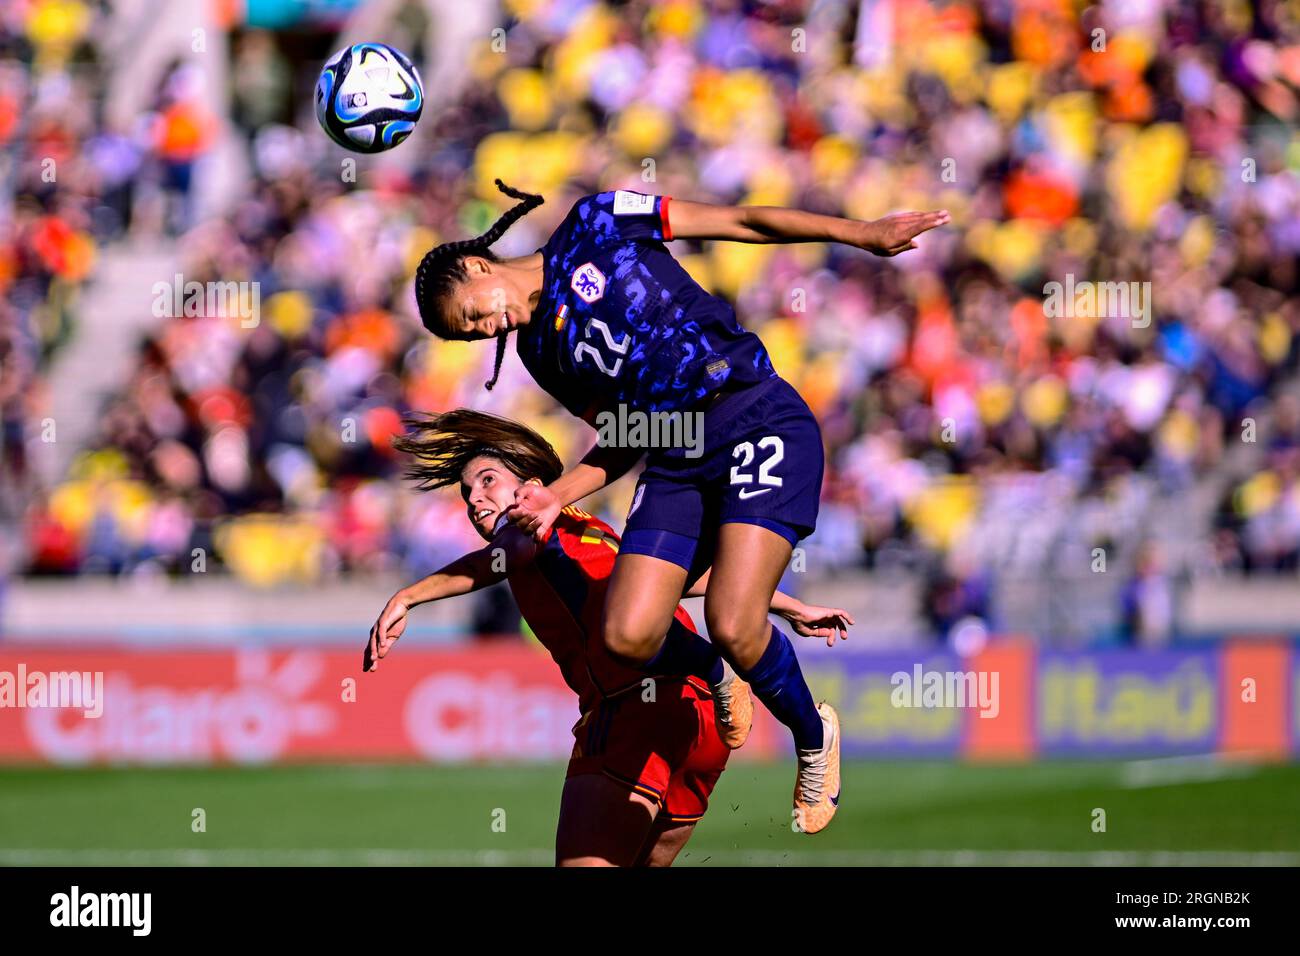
[[778, 682], [684, 654]]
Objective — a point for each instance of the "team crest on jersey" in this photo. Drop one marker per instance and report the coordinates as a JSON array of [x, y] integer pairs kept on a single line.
[[627, 203], [588, 282]]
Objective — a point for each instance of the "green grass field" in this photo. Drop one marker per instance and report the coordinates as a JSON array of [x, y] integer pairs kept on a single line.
[[1160, 813]]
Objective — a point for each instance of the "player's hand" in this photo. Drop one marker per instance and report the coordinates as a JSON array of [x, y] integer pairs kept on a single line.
[[808, 620], [895, 233], [535, 509], [390, 626]]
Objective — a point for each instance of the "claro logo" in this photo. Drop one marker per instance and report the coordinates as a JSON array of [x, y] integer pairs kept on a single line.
[[253, 721], [460, 717]]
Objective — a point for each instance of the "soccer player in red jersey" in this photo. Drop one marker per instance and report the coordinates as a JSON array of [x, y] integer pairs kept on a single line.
[[643, 763]]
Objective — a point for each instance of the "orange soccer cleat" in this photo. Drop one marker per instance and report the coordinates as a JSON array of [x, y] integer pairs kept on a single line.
[[733, 710], [817, 787]]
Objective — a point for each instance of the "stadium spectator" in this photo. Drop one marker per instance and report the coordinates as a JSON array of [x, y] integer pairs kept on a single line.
[[960, 409]]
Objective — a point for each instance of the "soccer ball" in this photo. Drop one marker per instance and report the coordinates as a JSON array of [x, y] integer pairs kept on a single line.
[[369, 97]]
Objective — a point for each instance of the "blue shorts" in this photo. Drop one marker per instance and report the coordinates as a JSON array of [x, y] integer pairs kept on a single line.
[[762, 463]]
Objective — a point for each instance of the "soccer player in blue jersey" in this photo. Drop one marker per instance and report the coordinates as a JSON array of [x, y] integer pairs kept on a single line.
[[605, 316]]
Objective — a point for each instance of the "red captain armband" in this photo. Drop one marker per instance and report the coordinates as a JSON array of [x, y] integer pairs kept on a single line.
[[663, 218]]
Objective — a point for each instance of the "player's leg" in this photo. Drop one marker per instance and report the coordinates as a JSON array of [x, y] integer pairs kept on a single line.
[[625, 752], [641, 629], [655, 560], [602, 822], [696, 771], [640, 604], [747, 566], [667, 839], [769, 500]]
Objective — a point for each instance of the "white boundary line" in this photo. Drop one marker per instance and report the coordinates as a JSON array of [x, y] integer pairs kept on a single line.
[[539, 857], [1176, 771]]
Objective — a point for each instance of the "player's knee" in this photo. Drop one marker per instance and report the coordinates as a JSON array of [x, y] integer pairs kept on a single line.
[[735, 629], [628, 641]]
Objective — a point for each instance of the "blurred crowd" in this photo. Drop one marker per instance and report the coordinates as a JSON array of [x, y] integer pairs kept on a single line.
[[50, 187], [970, 425], [72, 182]]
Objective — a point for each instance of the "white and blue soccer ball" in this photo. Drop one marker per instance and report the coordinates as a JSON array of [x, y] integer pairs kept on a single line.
[[369, 97]]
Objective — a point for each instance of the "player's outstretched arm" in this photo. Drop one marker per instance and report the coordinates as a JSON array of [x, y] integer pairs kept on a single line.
[[811, 620], [808, 620], [769, 224], [509, 551]]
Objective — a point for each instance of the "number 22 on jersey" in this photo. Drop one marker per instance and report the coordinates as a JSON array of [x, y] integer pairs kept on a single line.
[[745, 452], [599, 352]]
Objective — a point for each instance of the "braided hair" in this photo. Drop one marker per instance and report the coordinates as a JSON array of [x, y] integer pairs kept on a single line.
[[443, 267]]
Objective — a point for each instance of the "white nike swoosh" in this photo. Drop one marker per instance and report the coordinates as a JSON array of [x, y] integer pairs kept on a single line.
[[752, 492]]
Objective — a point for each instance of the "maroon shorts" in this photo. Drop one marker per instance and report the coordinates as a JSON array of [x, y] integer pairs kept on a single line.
[[666, 749]]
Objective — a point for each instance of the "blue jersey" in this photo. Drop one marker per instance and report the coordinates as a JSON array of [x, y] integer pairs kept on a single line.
[[620, 321]]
